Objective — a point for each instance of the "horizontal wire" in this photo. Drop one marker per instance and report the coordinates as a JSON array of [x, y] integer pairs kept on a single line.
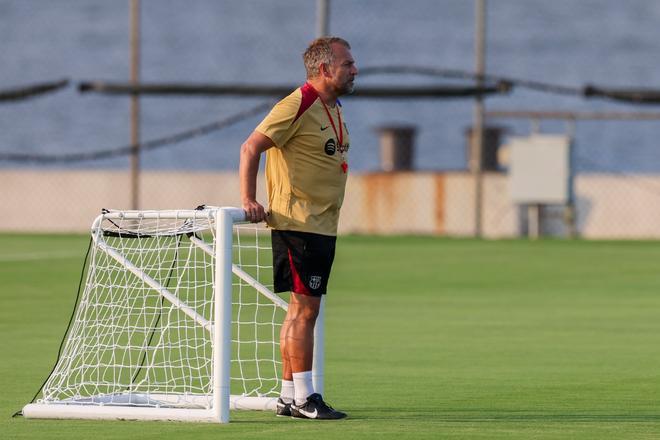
[[503, 82], [463, 74], [21, 93], [144, 146]]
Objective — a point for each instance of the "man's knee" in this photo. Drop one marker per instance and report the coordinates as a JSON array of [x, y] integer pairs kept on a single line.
[[303, 308], [304, 313], [307, 303], [309, 314]]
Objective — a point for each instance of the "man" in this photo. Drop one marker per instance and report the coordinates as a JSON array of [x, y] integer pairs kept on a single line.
[[306, 142]]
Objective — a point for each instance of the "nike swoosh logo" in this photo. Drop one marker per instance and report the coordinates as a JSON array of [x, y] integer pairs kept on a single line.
[[311, 415], [324, 128]]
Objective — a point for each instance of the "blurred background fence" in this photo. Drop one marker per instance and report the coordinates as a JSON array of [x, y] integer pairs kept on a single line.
[[66, 154]]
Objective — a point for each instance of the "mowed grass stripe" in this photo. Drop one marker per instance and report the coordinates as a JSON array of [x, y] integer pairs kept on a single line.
[[32, 256], [426, 338]]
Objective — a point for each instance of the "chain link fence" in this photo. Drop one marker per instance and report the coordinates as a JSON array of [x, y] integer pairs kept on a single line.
[[68, 153]]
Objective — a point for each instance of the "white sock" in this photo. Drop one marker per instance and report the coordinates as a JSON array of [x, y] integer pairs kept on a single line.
[[286, 394], [303, 386]]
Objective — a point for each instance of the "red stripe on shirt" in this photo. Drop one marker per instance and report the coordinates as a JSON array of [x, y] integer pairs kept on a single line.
[[298, 285], [309, 95]]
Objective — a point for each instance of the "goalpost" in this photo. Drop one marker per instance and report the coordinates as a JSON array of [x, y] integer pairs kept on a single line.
[[177, 321]]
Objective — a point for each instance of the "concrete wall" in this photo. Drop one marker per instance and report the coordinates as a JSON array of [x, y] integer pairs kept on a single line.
[[608, 206], [68, 201]]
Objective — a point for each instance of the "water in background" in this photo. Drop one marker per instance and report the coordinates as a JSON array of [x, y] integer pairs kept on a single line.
[[603, 42]]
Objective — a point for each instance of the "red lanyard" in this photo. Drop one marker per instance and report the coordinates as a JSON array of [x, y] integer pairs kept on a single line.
[[340, 136]]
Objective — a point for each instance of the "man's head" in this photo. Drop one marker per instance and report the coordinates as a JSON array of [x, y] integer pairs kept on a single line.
[[330, 59]]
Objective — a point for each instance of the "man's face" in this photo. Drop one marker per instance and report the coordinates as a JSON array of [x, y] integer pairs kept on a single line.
[[343, 70]]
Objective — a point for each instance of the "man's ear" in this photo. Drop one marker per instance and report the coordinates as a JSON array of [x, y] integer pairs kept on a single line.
[[323, 69]]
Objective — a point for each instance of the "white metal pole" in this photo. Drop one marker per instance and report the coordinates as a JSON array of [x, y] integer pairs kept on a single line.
[[318, 363], [322, 29], [222, 324]]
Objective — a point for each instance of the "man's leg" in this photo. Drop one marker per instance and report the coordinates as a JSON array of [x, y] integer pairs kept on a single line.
[[298, 338], [301, 264], [297, 343], [295, 337]]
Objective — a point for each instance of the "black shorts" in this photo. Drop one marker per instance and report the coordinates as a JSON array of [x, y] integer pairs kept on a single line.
[[302, 261]]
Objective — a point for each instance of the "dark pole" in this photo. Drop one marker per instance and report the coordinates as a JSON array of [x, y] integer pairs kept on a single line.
[[135, 102], [477, 146], [322, 18]]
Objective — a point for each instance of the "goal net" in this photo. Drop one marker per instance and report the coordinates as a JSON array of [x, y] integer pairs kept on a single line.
[[177, 321]]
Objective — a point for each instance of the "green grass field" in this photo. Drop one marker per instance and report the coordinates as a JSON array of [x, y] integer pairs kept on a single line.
[[426, 338]]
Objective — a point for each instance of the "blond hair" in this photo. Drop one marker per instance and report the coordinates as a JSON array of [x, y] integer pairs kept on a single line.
[[319, 52]]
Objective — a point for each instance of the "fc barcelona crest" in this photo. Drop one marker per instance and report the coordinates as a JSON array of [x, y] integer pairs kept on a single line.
[[314, 282]]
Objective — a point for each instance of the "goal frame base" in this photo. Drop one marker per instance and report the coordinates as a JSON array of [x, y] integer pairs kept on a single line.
[[73, 410]]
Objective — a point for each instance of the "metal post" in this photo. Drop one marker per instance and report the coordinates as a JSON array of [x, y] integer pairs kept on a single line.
[[534, 221], [570, 213], [479, 115], [318, 364], [322, 17], [135, 102]]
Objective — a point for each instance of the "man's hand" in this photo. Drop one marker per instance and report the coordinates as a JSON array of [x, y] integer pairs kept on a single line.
[[251, 149], [254, 212]]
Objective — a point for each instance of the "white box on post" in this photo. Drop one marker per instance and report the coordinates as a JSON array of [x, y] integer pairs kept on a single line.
[[540, 174]]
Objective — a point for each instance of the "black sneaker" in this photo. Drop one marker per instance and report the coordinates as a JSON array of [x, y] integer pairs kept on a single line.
[[283, 409], [315, 408]]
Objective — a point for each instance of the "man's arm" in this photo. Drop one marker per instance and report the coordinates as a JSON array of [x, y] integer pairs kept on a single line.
[[251, 151]]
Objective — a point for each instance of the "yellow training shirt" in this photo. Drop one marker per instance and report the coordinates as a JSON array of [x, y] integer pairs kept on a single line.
[[305, 178]]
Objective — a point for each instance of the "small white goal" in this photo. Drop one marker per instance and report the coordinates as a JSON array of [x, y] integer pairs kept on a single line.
[[176, 321]]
